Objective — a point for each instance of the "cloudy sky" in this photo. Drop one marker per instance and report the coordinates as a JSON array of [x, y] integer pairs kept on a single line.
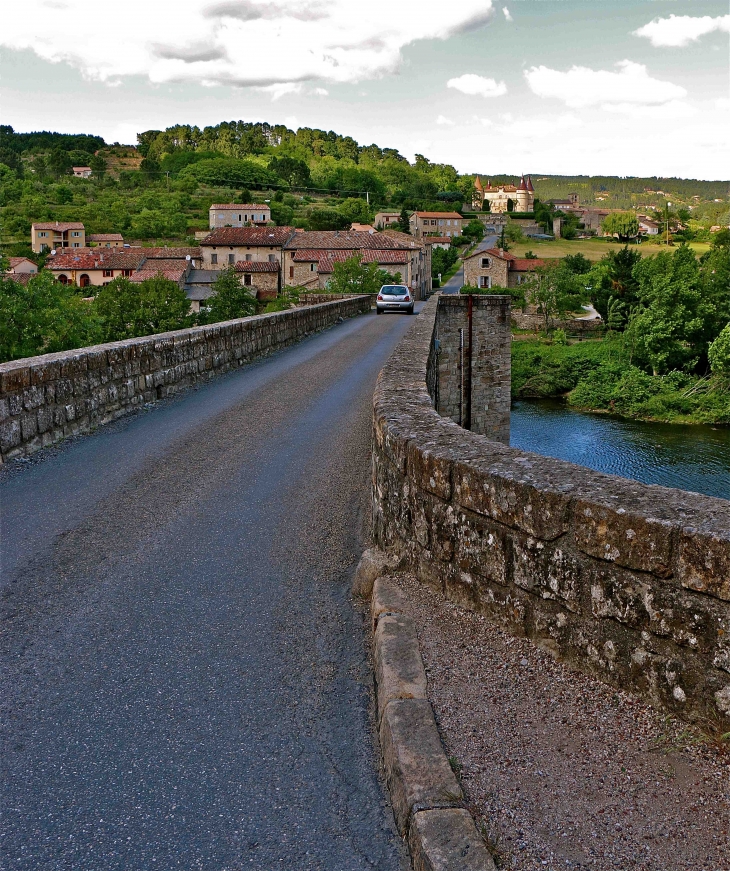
[[629, 87]]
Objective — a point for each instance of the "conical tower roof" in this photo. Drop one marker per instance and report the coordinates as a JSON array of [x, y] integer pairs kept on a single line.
[[522, 186], [530, 188], [478, 184]]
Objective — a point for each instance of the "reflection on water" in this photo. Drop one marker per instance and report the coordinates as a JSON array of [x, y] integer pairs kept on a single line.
[[695, 458]]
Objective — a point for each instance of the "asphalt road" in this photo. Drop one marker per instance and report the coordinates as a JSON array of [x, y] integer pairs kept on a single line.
[[185, 682]]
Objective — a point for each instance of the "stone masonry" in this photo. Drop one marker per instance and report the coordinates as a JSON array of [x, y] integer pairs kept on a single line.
[[625, 581], [48, 398], [490, 362]]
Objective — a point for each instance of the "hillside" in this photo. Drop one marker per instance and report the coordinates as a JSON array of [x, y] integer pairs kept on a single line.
[[161, 190]]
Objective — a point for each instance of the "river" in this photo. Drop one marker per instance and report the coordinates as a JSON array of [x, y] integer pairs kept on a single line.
[[695, 458]]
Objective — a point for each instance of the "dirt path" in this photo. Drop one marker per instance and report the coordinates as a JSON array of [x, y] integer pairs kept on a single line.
[[567, 772]]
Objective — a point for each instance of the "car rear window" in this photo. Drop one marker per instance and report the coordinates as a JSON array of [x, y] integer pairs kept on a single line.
[[393, 290]]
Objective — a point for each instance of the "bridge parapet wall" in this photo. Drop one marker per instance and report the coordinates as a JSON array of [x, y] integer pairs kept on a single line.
[[45, 399], [626, 581]]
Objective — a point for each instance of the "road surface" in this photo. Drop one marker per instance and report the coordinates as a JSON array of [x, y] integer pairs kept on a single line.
[[185, 683]]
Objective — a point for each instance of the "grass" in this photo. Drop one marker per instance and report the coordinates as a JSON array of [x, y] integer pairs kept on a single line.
[[593, 249]]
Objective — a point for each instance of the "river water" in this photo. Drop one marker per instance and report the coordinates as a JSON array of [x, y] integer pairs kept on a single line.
[[695, 458]]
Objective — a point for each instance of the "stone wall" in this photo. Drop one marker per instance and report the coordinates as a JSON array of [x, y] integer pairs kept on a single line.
[[490, 365], [48, 398], [628, 582], [536, 322]]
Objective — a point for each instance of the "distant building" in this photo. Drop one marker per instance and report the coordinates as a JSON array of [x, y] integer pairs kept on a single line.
[[56, 235], [97, 267], [496, 268], [566, 205], [384, 220], [82, 171], [106, 240], [504, 197], [238, 214], [21, 266], [435, 224], [648, 227], [362, 228], [227, 246]]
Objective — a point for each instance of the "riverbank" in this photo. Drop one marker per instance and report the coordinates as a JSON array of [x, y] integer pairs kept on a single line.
[[596, 375]]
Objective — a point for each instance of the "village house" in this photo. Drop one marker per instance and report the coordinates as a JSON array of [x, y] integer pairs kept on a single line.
[[106, 240], [384, 220], [238, 214], [648, 227], [21, 265], [497, 268], [569, 205], [504, 197], [310, 257], [82, 171], [97, 267], [435, 224], [56, 235], [227, 246]]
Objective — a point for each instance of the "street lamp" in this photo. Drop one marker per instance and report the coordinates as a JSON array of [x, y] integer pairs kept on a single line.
[[667, 207]]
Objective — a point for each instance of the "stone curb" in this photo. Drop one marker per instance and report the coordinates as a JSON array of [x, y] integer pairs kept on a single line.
[[427, 798]]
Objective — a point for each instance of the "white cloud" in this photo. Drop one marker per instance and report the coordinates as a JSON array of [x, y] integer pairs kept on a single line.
[[507, 13], [296, 40], [477, 86], [680, 30], [444, 121], [281, 89], [321, 92], [582, 86]]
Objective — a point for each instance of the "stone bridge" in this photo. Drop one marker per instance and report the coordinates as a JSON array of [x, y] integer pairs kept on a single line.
[[628, 582]]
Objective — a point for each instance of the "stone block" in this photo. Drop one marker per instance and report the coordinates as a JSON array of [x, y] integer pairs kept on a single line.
[[14, 377], [704, 560], [624, 537], [373, 563], [399, 672], [447, 840], [388, 598], [10, 436], [418, 774]]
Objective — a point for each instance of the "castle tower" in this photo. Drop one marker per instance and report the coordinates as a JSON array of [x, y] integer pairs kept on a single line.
[[523, 196], [477, 198]]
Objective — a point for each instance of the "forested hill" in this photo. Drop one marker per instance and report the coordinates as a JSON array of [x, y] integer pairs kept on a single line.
[[161, 189]]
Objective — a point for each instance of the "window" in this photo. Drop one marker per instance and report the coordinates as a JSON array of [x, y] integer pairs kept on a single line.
[[485, 281], [43, 233], [239, 217], [486, 262], [231, 258], [108, 273], [126, 272], [433, 223], [448, 223], [76, 245], [249, 257], [291, 272], [247, 280], [76, 234], [272, 258], [214, 258], [311, 267], [63, 279]]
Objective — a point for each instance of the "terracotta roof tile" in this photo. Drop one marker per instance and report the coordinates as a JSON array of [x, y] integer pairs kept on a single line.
[[173, 273], [105, 237], [239, 206], [95, 258], [59, 225], [251, 236], [256, 266], [331, 240], [439, 215]]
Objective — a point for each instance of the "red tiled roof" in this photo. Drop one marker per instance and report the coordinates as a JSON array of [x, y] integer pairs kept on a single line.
[[95, 258], [256, 266], [239, 206], [439, 215], [60, 226], [331, 240], [170, 253], [492, 252], [526, 265], [16, 261], [251, 236], [21, 277], [173, 273], [105, 237], [436, 240], [327, 260]]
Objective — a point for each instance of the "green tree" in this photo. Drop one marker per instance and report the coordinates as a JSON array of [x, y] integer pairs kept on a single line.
[[128, 309], [556, 291], [625, 225], [322, 218], [668, 329], [356, 209], [354, 276], [578, 264], [43, 316], [232, 299], [719, 353], [404, 221], [474, 230]]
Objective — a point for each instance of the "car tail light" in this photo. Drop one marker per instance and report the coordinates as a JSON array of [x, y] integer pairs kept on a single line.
[[406, 298], [380, 296]]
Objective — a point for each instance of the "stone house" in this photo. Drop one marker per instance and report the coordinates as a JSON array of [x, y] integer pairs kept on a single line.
[[386, 220], [497, 268], [227, 246], [262, 277], [504, 197], [56, 235], [310, 257], [106, 240], [238, 214], [97, 267], [435, 224]]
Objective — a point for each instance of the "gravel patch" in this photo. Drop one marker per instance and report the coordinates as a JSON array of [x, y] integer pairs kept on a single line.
[[562, 771]]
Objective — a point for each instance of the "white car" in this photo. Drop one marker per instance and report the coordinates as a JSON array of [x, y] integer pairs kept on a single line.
[[394, 297]]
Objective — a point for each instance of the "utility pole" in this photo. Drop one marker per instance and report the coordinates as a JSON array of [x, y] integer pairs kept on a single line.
[[666, 209]]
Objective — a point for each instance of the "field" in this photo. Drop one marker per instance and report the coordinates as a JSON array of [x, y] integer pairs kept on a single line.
[[593, 249]]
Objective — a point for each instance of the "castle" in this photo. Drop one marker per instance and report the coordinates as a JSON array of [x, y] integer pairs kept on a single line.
[[504, 197]]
